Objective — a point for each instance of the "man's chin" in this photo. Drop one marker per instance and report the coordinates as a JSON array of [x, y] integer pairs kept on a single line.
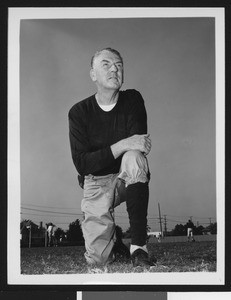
[[114, 86]]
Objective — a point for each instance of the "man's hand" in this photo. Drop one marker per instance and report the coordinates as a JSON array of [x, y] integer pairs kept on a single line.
[[140, 142]]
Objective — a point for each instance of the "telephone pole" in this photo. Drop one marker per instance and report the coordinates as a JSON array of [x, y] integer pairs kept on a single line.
[[165, 225], [160, 219], [29, 227]]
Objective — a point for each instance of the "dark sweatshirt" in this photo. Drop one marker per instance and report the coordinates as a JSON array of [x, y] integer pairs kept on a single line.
[[92, 131]]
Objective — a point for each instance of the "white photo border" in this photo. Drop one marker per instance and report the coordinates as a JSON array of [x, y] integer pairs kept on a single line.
[[14, 276]]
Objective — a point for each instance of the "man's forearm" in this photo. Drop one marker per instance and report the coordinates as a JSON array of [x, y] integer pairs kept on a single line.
[[118, 148], [136, 142]]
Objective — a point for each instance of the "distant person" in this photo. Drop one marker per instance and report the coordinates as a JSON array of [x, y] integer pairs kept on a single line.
[[109, 145], [190, 227], [159, 238], [50, 234]]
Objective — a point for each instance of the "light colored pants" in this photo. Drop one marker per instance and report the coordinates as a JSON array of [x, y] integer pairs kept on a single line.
[[189, 232], [101, 195]]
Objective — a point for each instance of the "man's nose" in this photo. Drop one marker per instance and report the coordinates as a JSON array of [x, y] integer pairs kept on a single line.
[[114, 67]]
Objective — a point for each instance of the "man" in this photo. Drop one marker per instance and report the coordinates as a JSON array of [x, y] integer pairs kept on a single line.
[[109, 144], [50, 234], [190, 227]]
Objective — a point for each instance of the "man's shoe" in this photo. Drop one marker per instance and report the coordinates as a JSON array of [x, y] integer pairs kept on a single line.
[[140, 258]]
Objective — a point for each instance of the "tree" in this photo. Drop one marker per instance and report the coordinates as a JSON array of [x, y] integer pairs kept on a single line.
[[212, 228], [179, 230], [75, 234], [198, 230], [59, 232], [26, 224], [28, 229]]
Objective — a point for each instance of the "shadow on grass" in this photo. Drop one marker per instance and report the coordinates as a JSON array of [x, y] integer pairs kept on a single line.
[[171, 257]]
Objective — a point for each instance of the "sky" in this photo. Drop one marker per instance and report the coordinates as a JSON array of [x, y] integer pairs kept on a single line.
[[171, 62]]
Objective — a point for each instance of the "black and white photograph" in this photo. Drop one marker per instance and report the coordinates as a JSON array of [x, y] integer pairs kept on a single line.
[[116, 146]]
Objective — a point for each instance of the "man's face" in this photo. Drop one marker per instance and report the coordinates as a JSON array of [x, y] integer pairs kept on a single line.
[[107, 71]]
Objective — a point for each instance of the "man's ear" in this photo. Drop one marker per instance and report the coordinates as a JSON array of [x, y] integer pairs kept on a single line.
[[92, 75]]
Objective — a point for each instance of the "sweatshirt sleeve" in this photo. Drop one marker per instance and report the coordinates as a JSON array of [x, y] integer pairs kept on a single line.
[[85, 160], [137, 116]]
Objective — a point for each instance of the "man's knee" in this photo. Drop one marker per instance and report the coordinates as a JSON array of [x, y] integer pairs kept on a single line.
[[134, 160], [134, 167], [134, 156]]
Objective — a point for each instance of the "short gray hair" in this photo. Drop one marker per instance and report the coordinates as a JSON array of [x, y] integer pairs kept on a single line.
[[105, 49]]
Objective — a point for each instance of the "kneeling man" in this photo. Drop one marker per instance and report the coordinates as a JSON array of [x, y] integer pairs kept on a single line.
[[109, 145]]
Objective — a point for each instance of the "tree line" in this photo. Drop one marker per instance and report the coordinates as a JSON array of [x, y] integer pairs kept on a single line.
[[74, 235], [30, 231]]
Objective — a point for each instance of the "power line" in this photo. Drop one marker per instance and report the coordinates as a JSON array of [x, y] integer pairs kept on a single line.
[[28, 204], [53, 212], [165, 225], [66, 213], [41, 215], [117, 214], [195, 217]]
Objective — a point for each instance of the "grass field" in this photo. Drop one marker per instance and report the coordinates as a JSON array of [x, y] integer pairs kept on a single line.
[[172, 257]]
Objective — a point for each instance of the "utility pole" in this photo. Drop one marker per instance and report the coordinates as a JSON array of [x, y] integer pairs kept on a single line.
[[45, 232], [165, 225], [29, 227], [160, 219]]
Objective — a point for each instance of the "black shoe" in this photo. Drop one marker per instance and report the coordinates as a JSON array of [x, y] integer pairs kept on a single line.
[[140, 258]]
